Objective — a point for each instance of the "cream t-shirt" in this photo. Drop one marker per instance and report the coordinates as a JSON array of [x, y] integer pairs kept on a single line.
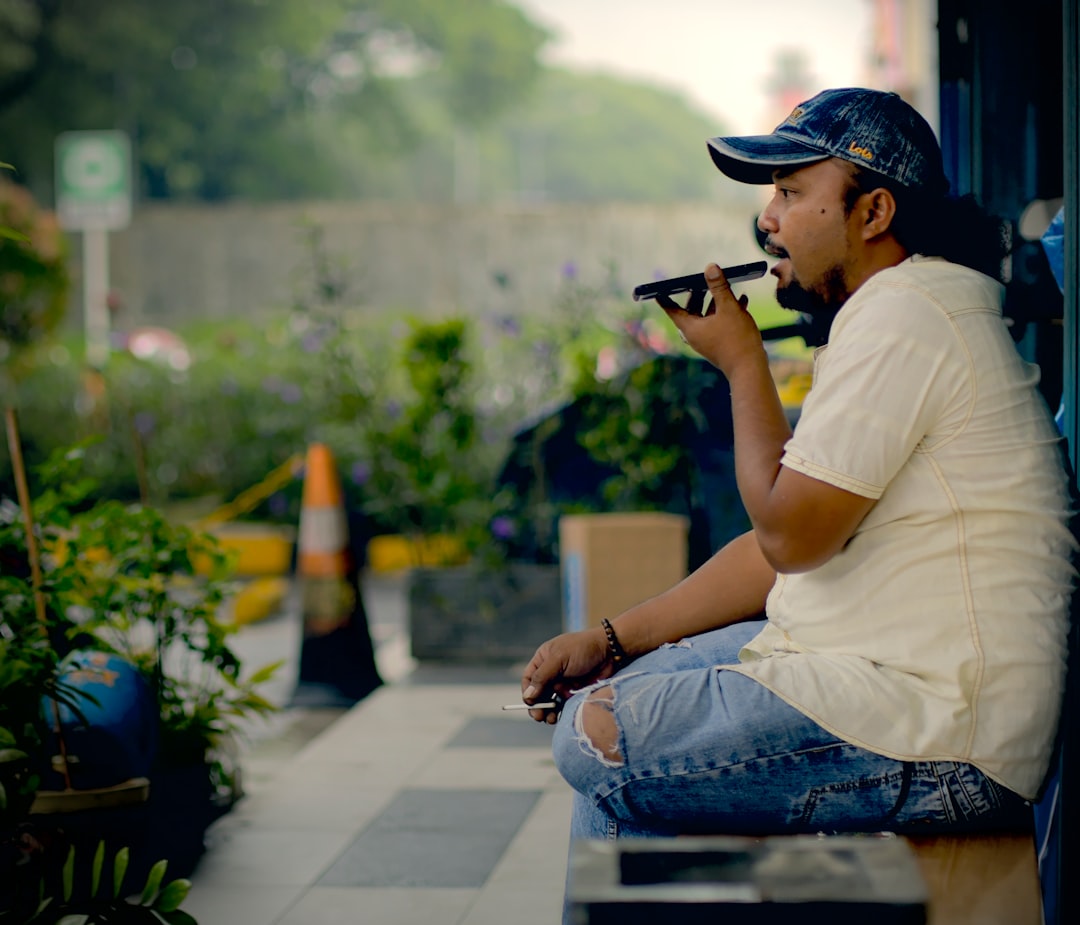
[[939, 631]]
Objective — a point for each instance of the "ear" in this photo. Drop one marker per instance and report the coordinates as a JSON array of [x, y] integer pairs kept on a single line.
[[877, 211]]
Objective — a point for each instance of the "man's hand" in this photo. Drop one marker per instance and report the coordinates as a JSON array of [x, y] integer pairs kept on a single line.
[[725, 335], [564, 664]]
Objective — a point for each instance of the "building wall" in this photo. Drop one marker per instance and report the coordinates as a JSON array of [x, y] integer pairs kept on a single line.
[[176, 264]]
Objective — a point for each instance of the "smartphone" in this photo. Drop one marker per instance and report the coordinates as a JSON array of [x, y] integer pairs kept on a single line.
[[695, 282]]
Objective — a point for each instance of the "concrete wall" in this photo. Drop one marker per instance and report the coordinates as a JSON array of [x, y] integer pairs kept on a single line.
[[175, 264]]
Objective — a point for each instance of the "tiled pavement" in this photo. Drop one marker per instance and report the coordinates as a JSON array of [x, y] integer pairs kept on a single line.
[[424, 803]]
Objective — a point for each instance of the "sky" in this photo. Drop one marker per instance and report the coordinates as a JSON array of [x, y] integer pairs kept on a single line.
[[718, 52]]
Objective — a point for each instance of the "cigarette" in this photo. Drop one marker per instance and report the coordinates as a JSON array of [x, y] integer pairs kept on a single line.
[[549, 705]]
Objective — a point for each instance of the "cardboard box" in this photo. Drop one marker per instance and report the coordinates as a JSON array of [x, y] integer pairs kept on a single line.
[[609, 562]]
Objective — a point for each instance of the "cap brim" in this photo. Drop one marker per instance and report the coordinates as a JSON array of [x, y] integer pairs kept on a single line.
[[753, 158]]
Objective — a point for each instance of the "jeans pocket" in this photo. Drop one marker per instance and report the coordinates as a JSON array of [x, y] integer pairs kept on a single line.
[[969, 798], [854, 805]]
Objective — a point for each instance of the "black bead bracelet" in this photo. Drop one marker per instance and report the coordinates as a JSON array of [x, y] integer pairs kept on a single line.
[[618, 653]]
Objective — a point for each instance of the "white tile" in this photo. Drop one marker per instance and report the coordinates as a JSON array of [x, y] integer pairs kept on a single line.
[[239, 905], [338, 905], [339, 805], [531, 876]]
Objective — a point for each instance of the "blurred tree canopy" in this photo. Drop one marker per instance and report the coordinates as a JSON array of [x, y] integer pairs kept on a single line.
[[392, 99], [218, 95], [579, 136]]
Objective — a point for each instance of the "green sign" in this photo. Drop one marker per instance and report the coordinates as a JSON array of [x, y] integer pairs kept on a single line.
[[93, 180]]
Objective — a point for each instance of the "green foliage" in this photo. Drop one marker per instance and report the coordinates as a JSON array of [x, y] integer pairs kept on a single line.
[[221, 95], [64, 900], [638, 424], [33, 271], [126, 578], [595, 137], [423, 476], [576, 136], [487, 51]]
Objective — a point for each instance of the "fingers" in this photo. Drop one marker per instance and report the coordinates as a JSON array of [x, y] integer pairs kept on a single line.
[[696, 301], [667, 303]]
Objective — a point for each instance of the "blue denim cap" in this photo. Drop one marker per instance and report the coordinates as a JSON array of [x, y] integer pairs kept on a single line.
[[871, 128]]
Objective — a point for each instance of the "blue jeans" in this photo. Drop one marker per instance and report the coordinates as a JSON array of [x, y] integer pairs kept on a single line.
[[704, 750]]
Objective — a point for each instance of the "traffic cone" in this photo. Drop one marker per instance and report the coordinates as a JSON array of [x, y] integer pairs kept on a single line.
[[337, 659]]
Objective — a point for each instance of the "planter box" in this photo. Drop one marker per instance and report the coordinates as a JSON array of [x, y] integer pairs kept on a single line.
[[469, 614]]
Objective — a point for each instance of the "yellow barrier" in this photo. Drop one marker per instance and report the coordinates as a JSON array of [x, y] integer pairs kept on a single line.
[[391, 552]]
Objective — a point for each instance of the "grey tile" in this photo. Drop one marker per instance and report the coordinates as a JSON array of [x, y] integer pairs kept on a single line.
[[511, 731], [434, 838], [429, 673]]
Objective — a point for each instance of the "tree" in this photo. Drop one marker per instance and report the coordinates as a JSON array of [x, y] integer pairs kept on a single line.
[[218, 95]]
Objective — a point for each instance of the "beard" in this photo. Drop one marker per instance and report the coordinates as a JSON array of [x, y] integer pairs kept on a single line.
[[823, 300]]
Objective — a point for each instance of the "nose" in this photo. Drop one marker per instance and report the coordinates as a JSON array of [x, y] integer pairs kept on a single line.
[[766, 221]]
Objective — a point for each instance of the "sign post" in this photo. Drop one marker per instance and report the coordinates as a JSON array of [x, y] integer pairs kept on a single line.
[[93, 195]]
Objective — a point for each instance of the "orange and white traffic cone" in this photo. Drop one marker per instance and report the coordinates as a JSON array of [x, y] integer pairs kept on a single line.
[[337, 661]]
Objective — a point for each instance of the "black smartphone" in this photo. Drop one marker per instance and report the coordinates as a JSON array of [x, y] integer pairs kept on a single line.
[[695, 282]]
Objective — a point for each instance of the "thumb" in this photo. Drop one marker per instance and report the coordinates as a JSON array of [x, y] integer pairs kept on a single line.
[[719, 287]]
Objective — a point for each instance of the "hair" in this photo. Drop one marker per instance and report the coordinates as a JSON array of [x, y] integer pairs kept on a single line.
[[939, 225]]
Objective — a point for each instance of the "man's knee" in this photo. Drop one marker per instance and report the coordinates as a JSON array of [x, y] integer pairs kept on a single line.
[[596, 724]]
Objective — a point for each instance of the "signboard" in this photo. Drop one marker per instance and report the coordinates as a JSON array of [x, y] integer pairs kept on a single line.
[[93, 180]]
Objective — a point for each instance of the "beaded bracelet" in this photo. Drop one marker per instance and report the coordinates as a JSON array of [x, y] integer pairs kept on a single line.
[[618, 653]]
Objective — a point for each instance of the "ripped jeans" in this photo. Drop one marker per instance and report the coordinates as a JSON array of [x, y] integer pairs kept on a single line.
[[703, 750]]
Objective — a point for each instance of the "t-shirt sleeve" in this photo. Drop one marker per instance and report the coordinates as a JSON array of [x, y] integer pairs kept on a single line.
[[891, 378]]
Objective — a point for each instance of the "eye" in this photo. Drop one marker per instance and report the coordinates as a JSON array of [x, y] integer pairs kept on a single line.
[[785, 192]]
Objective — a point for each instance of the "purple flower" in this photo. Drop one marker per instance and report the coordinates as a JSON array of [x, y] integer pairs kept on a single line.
[[360, 473], [393, 410], [312, 342], [291, 393], [229, 387], [144, 423], [509, 326], [271, 384], [503, 528], [569, 270]]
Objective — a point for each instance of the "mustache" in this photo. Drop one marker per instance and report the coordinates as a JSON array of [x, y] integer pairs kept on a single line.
[[773, 249]]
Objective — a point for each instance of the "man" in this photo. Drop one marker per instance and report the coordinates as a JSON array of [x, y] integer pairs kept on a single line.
[[910, 545]]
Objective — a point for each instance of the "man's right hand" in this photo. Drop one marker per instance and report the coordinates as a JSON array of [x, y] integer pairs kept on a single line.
[[563, 665]]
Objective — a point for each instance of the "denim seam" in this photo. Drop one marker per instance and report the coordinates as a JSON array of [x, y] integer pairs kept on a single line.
[[684, 773]]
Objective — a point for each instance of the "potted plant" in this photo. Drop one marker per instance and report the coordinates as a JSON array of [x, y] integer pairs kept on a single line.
[[120, 579]]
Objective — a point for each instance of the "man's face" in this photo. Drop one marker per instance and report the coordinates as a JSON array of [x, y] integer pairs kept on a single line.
[[809, 229]]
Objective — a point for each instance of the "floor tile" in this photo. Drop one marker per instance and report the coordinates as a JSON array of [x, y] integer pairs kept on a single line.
[[336, 905], [434, 838], [270, 857], [514, 730], [240, 905], [488, 768]]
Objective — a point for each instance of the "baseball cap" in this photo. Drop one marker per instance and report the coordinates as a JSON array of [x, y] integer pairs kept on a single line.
[[872, 128]]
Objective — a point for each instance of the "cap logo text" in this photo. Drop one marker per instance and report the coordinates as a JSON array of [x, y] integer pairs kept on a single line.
[[865, 153], [795, 113]]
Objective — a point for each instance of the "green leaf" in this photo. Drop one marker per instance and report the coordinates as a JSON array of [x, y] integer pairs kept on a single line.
[[153, 882], [172, 896], [95, 871], [265, 673], [120, 866], [68, 878]]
